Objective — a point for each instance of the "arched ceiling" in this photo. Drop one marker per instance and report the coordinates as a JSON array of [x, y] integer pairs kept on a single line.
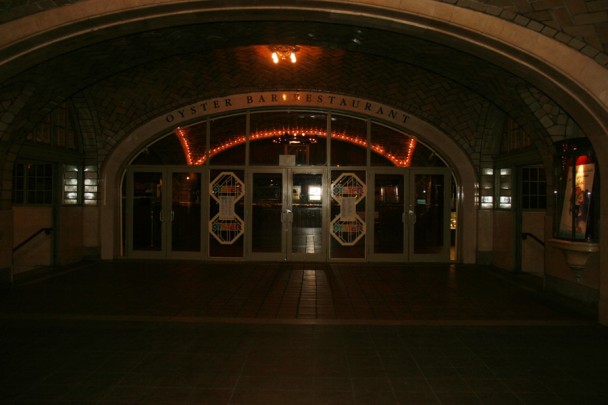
[[234, 56], [149, 67]]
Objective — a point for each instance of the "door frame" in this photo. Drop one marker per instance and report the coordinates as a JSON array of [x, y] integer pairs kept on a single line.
[[322, 255], [165, 213], [371, 214], [286, 253], [444, 255], [286, 234], [408, 216]]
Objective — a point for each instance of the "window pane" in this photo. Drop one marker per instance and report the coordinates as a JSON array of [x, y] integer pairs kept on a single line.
[[299, 135], [167, 150], [533, 186], [228, 141], [390, 148], [349, 141]]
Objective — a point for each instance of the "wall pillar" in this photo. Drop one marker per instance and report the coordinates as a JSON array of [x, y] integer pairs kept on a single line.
[[6, 246], [603, 255]]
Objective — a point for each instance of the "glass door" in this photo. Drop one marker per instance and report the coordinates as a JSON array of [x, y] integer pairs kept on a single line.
[[428, 216], [144, 213], [267, 215], [287, 214], [163, 213], [305, 219], [184, 217], [388, 213]]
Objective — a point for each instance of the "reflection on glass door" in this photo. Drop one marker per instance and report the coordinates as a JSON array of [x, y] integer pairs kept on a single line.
[[146, 211], [388, 214], [287, 214], [429, 215], [305, 226]]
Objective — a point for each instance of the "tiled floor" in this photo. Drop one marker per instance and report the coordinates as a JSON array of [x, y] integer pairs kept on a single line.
[[133, 332]]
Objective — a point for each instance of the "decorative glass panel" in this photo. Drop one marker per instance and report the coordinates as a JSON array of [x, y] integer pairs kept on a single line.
[[226, 213], [347, 226]]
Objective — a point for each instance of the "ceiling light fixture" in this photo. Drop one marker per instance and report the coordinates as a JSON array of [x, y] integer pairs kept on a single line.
[[284, 52], [295, 139]]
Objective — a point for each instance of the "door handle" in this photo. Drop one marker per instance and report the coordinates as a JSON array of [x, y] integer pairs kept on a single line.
[[412, 215], [288, 216]]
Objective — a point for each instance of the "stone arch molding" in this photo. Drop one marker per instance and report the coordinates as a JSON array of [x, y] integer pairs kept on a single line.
[[117, 161]]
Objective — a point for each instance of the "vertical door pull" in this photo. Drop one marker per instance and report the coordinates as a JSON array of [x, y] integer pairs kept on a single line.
[[412, 217]]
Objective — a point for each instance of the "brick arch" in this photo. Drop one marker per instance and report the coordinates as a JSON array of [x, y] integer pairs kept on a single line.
[[122, 108], [118, 160]]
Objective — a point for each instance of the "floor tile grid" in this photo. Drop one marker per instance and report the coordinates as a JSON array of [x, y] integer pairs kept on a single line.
[[262, 291], [177, 362]]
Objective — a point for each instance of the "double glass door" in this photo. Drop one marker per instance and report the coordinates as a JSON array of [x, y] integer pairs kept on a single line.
[[162, 213], [410, 215], [287, 214]]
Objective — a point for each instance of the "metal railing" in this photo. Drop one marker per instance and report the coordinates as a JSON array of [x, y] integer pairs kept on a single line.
[[524, 236], [47, 231]]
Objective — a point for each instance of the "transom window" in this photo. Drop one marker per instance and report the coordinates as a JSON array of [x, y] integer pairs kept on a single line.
[[289, 138]]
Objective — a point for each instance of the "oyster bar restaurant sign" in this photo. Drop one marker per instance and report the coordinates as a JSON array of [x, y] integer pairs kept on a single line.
[[276, 99]]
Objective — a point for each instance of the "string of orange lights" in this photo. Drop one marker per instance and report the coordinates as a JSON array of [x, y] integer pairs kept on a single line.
[[191, 160]]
